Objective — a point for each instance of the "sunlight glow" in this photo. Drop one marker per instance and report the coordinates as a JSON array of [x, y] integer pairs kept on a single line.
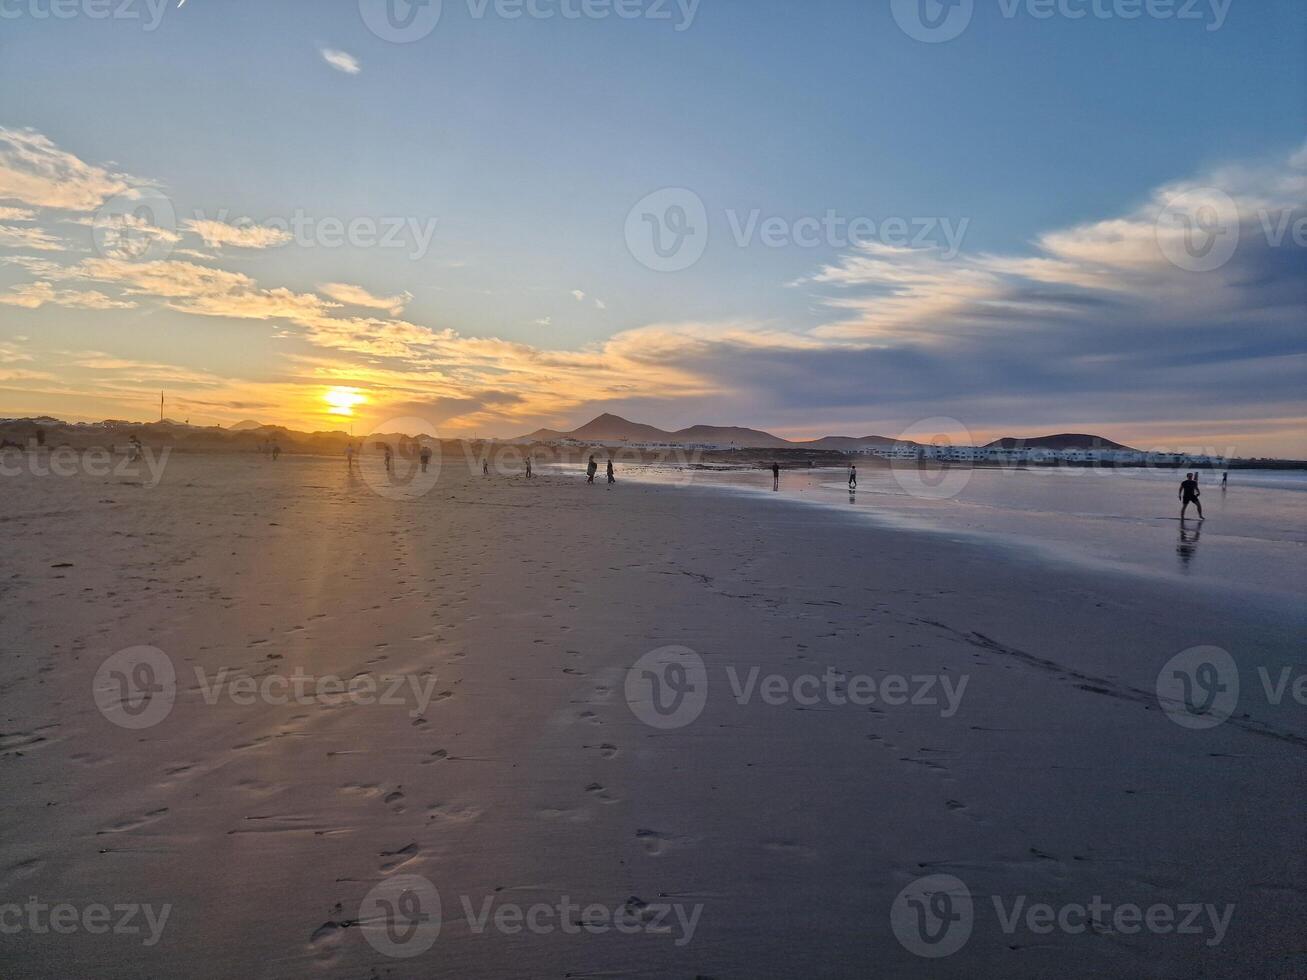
[[343, 400]]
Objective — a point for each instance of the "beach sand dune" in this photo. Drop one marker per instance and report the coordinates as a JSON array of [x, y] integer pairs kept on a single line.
[[496, 621]]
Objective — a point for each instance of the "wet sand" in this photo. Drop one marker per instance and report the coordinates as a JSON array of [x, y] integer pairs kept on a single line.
[[511, 770]]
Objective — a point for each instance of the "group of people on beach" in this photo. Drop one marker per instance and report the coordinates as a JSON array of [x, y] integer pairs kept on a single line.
[[591, 468]]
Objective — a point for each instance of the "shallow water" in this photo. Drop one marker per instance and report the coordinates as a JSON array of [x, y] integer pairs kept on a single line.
[[1254, 537]]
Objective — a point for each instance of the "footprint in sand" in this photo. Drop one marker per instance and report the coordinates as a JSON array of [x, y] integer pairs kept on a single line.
[[19, 872], [601, 794], [574, 815], [394, 860], [395, 800], [440, 755], [656, 843], [453, 813], [135, 823], [790, 848]]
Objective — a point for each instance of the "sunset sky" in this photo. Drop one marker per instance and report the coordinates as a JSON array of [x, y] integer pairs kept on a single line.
[[175, 188]]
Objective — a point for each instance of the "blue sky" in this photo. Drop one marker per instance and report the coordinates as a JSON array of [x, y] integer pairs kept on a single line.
[[529, 140]]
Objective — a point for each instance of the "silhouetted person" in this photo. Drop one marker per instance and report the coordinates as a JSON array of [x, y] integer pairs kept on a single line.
[[349, 455], [1225, 479], [775, 476], [485, 467], [528, 467], [611, 478], [390, 459], [853, 477], [591, 469], [1189, 495], [424, 457], [276, 451]]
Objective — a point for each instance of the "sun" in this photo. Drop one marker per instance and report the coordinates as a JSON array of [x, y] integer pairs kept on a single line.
[[343, 400]]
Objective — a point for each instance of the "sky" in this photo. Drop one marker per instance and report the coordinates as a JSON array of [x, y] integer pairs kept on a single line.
[[995, 217]]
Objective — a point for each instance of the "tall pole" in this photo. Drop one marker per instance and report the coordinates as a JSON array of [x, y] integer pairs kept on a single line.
[[160, 405]]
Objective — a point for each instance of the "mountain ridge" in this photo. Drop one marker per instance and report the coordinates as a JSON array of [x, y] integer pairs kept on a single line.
[[610, 427]]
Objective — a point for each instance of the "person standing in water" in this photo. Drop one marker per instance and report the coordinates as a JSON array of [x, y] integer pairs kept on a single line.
[[853, 477], [611, 478], [1189, 495], [591, 469], [775, 475]]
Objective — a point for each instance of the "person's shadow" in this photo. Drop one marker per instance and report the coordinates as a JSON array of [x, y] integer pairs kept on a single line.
[[1187, 547]]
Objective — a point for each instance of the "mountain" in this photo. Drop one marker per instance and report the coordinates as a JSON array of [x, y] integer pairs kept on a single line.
[[1063, 440], [247, 424], [614, 428], [610, 428]]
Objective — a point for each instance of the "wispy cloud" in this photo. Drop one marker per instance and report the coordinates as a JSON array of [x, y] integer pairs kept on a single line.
[[34, 295], [13, 236], [352, 295], [35, 172], [216, 234], [341, 61]]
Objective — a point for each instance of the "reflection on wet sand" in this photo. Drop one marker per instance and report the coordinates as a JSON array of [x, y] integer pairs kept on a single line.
[[1187, 546]]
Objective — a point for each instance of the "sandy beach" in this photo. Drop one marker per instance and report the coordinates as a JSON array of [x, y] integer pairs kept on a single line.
[[381, 700]]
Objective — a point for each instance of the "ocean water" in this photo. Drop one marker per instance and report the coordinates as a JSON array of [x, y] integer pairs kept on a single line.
[[1254, 537]]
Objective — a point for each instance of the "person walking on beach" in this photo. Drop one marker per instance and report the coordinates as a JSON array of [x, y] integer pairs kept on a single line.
[[485, 467], [591, 469], [276, 451], [424, 457], [390, 459], [528, 467], [1189, 495], [611, 478], [853, 477], [775, 475], [1225, 479], [349, 455]]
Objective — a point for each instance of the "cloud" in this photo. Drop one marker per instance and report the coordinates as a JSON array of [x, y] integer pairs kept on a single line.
[[600, 305], [216, 234], [341, 61], [17, 214], [358, 296], [12, 236], [1090, 325], [35, 172], [32, 296]]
